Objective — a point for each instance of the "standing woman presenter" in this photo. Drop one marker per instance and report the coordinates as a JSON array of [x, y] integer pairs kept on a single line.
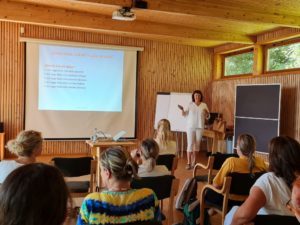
[[196, 113]]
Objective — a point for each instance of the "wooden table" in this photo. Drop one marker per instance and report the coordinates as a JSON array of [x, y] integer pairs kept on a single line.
[[216, 136], [98, 146], [1, 146]]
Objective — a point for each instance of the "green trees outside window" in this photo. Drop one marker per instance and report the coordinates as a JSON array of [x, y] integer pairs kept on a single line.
[[239, 64], [284, 57]]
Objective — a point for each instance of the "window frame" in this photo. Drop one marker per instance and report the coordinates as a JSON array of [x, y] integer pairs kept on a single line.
[[239, 52], [274, 45]]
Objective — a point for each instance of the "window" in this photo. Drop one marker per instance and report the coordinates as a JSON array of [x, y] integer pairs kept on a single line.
[[283, 57], [238, 63]]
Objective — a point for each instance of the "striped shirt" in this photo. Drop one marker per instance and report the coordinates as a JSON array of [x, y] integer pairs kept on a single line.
[[110, 207]]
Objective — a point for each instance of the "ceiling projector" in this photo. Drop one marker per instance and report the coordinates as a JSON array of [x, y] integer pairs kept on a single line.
[[124, 13]]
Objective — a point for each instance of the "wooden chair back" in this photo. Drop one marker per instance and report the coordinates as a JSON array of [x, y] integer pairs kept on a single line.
[[236, 187]]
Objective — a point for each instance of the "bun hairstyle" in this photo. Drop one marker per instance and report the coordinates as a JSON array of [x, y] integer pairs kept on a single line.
[[119, 162], [247, 146], [197, 92], [163, 132], [25, 143], [149, 151]]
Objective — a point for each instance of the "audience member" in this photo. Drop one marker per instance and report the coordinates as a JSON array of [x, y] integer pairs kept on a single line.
[[34, 194], [146, 157], [245, 163], [272, 190], [163, 137], [27, 145], [118, 203]]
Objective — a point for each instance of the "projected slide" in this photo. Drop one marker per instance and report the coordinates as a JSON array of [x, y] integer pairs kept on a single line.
[[80, 79]]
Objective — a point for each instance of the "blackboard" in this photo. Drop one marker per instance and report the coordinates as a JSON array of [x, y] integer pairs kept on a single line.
[[166, 108], [258, 101], [261, 130], [257, 112]]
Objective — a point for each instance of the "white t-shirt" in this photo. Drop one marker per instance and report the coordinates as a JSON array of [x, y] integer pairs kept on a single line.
[[169, 148], [159, 170], [196, 115], [277, 194], [6, 167]]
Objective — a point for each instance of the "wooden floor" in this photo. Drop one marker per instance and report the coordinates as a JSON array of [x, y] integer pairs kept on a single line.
[[180, 173]]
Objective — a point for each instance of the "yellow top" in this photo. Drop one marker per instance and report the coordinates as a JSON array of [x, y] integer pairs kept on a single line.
[[237, 165]]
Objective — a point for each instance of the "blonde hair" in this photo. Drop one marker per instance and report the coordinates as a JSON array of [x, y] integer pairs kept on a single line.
[[119, 162], [150, 151], [163, 133], [25, 143], [247, 146]]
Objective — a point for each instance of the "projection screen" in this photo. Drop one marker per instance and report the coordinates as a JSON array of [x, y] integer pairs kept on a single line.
[[72, 88]]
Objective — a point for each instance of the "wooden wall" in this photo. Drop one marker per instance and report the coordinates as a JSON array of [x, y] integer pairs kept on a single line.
[[223, 91], [161, 67], [223, 95]]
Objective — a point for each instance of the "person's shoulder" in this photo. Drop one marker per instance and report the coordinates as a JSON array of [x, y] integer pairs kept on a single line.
[[10, 164], [268, 177], [231, 160], [95, 195], [143, 192]]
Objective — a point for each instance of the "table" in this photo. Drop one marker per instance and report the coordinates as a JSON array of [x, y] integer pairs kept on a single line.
[[216, 136], [98, 146]]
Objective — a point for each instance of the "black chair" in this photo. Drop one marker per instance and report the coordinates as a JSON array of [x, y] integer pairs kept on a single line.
[[168, 160], [275, 220], [235, 190], [164, 187], [214, 163], [76, 167]]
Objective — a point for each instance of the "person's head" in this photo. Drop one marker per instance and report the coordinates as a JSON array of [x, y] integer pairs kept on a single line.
[[284, 157], [28, 143], [294, 203], [117, 164], [163, 132], [197, 94], [246, 146], [149, 152], [34, 194]]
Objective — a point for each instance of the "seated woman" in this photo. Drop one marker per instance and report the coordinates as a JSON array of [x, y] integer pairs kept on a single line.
[[118, 204], [245, 163], [163, 137], [34, 194], [26, 146], [271, 191], [146, 157]]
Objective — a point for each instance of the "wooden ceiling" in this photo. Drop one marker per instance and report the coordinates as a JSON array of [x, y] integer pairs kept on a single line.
[[206, 23]]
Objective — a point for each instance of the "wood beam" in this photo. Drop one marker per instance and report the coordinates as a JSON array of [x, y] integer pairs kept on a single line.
[[18, 12], [230, 11]]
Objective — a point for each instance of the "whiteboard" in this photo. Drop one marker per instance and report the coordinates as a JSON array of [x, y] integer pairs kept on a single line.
[[167, 108], [162, 107]]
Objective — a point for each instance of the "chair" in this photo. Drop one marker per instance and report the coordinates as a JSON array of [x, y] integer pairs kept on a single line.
[[214, 163], [76, 167], [235, 190], [164, 187], [168, 160], [275, 220]]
